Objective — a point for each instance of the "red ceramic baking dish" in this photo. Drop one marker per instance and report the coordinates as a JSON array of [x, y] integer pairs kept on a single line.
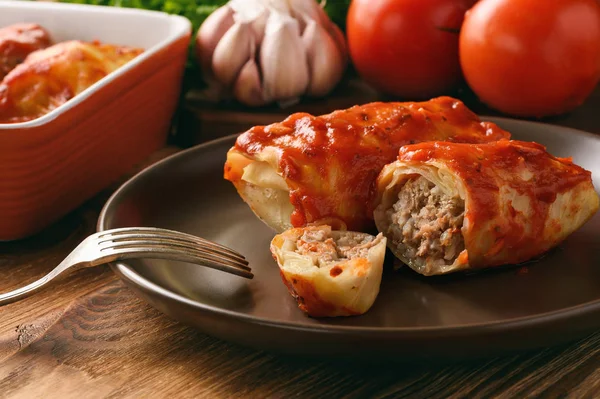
[[50, 165]]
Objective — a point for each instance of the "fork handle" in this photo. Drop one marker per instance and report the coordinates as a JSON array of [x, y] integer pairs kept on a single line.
[[33, 287]]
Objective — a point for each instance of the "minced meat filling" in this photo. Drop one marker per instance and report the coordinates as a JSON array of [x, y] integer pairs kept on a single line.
[[325, 248], [426, 223]]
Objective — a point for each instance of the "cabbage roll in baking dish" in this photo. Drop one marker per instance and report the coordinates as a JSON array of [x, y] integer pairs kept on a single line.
[[446, 207], [322, 169], [330, 273], [17, 42], [50, 77]]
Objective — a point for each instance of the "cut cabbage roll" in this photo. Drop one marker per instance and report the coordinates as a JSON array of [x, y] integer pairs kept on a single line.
[[330, 273], [68, 69], [17, 42], [446, 207], [322, 170]]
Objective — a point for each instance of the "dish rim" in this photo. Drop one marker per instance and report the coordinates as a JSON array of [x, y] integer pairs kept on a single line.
[[181, 27], [132, 277]]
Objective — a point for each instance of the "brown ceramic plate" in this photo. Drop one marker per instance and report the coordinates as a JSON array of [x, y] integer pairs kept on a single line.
[[552, 300]]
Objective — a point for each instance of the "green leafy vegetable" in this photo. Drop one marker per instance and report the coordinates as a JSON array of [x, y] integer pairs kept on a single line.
[[337, 11]]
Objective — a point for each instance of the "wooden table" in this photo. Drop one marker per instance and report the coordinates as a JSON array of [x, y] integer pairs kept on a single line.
[[90, 337]]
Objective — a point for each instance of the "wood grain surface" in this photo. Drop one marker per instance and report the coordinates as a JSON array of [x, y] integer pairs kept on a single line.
[[91, 337]]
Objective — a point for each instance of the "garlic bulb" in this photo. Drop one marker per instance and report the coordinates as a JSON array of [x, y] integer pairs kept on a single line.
[[262, 51]]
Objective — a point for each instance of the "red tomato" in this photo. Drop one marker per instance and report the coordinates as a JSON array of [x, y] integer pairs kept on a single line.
[[532, 57], [407, 47]]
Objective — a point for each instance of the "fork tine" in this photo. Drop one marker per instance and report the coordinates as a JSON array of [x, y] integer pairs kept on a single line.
[[180, 249], [162, 233], [153, 241], [141, 239], [174, 239], [188, 256], [165, 233]]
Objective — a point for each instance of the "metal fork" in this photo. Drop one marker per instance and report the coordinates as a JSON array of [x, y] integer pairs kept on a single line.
[[139, 242]]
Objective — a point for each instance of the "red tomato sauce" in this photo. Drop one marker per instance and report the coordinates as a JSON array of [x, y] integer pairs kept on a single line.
[[525, 167], [331, 162]]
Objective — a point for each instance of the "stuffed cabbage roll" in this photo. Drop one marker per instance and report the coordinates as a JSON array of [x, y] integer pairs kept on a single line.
[[330, 273], [322, 169], [17, 42], [68, 69], [446, 207]]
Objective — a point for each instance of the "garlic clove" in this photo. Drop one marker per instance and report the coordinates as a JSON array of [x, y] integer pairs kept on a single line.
[[253, 12], [209, 34], [231, 53], [340, 40], [248, 10], [279, 6], [308, 9], [247, 88], [259, 24], [283, 59], [326, 63]]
